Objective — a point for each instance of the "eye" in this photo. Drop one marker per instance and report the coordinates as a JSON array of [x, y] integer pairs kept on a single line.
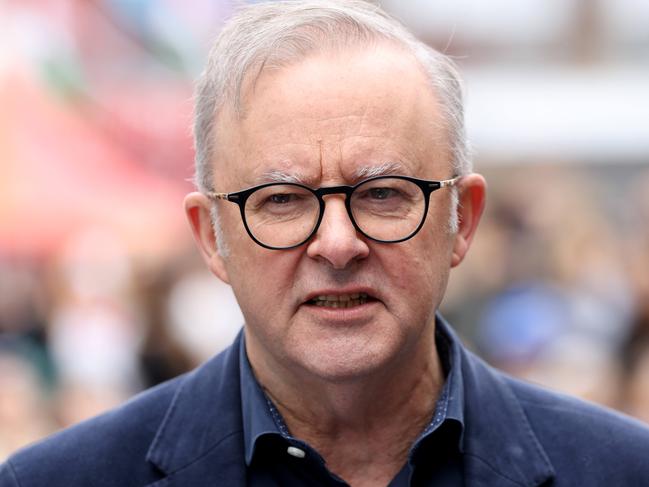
[[285, 203], [381, 193], [282, 198]]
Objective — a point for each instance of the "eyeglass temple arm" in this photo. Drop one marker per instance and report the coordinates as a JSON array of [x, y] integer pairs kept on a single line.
[[449, 183], [216, 196], [222, 196]]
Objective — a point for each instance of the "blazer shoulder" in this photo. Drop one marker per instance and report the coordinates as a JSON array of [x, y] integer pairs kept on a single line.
[[111, 448], [577, 434], [543, 404], [130, 446]]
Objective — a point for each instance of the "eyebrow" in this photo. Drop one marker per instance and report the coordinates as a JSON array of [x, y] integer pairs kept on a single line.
[[364, 172], [277, 176], [387, 168]]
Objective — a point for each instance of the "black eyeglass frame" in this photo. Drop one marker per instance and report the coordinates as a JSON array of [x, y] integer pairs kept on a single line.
[[240, 198]]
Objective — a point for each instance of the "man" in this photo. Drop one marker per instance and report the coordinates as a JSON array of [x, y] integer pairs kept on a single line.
[[335, 196]]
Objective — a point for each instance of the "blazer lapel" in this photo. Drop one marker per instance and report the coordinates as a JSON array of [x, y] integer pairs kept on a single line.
[[500, 447], [221, 466], [200, 440]]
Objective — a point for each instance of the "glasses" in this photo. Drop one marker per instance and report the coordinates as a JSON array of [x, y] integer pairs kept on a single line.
[[387, 209]]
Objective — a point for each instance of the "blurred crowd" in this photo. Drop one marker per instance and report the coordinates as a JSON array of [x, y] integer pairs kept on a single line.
[[102, 293], [555, 290], [90, 325]]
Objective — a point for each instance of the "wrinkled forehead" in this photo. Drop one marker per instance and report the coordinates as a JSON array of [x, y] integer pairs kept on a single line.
[[350, 109]]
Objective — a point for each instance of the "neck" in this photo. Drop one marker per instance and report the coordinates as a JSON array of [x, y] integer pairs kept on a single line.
[[363, 425]]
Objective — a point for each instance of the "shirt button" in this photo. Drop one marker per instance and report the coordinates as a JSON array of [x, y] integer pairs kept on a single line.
[[295, 452]]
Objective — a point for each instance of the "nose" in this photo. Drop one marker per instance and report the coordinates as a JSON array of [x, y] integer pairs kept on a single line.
[[337, 242]]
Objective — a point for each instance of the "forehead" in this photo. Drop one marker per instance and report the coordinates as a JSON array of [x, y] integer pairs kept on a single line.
[[332, 116]]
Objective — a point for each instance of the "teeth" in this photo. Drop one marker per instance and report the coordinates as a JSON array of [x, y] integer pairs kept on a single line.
[[341, 300]]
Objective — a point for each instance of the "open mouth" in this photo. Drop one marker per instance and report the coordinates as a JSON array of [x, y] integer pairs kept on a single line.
[[341, 300]]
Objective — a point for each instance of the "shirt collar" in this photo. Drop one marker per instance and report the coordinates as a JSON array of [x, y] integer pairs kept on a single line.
[[257, 410], [450, 404], [449, 351], [255, 407]]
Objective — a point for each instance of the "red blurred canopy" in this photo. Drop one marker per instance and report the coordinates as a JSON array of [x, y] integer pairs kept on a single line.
[[58, 174]]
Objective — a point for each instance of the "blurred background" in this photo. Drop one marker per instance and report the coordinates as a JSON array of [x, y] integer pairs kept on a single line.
[[102, 293]]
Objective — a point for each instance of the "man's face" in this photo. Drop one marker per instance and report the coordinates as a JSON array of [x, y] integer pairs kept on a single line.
[[327, 120]]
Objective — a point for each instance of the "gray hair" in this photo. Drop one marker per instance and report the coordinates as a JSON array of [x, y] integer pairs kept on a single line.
[[274, 34]]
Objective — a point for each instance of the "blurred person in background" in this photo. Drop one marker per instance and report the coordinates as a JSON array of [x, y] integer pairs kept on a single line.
[[635, 360], [555, 319], [634, 354], [95, 330], [340, 140], [24, 413]]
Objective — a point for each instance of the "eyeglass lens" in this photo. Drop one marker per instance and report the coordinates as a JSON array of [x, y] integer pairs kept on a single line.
[[388, 209], [285, 215], [282, 215]]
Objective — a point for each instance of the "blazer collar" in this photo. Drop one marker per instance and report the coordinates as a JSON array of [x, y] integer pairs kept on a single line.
[[200, 439], [499, 445]]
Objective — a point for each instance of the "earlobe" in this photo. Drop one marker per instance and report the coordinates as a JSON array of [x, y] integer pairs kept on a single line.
[[460, 249], [472, 189], [197, 209]]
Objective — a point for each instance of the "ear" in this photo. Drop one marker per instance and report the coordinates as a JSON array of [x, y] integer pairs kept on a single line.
[[471, 193], [197, 209]]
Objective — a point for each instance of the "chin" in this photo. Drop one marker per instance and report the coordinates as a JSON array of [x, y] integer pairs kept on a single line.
[[339, 363]]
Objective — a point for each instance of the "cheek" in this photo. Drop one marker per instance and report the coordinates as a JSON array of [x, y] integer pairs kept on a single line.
[[420, 270], [262, 280]]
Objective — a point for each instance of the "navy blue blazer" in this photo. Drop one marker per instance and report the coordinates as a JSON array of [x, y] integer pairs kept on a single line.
[[188, 432]]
